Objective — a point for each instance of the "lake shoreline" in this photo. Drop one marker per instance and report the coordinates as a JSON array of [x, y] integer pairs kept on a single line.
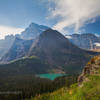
[[50, 76]]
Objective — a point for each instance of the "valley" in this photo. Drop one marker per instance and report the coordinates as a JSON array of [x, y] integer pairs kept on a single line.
[[49, 49], [43, 63], [86, 88]]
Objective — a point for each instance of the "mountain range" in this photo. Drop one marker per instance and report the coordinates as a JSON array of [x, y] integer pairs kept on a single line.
[[54, 49], [86, 41], [40, 50], [31, 32]]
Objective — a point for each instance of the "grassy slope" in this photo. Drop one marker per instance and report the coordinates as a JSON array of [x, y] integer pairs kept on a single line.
[[89, 89]]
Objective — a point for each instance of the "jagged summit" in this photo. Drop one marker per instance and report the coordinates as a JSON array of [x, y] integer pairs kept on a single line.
[[33, 31], [37, 25]]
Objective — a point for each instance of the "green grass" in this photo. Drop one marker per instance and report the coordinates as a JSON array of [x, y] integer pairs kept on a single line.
[[90, 90]]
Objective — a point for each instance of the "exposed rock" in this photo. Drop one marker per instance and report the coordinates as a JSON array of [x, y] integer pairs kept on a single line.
[[18, 50], [92, 68]]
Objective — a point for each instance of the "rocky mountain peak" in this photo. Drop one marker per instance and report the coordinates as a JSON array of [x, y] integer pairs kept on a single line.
[[33, 31]]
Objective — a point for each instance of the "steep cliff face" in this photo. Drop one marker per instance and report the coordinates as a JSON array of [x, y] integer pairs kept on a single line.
[[18, 50], [5, 44], [92, 68]]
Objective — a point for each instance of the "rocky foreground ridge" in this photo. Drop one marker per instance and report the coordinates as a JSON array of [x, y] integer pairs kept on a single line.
[[92, 68]]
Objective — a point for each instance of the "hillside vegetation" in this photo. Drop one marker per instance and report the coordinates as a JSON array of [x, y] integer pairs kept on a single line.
[[26, 65], [87, 88], [20, 79]]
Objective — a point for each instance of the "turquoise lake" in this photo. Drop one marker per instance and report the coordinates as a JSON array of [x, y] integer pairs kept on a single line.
[[50, 76]]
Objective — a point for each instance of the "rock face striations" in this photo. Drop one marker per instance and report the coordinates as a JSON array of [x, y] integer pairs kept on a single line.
[[19, 49], [5, 44]]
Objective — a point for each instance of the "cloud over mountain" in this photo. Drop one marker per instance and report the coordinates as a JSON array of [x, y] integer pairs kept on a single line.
[[74, 13], [5, 30]]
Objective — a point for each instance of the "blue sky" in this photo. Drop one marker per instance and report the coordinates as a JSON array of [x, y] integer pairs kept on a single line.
[[16, 15], [19, 13], [62, 15]]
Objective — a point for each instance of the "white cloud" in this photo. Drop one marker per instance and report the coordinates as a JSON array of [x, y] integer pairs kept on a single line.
[[4, 30], [74, 12]]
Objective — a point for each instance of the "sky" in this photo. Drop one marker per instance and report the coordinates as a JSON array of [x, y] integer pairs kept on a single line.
[[66, 16]]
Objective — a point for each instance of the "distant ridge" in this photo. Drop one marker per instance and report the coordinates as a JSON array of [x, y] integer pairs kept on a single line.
[[84, 41]]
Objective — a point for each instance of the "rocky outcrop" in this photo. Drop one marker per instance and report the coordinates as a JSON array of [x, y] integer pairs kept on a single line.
[[92, 68]]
